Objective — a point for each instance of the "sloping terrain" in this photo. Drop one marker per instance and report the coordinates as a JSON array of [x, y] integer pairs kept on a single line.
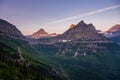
[[82, 54], [18, 59]]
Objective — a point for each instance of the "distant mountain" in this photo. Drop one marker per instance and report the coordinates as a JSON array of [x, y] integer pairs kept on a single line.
[[41, 31], [39, 34], [114, 33], [9, 30], [42, 34], [114, 28]]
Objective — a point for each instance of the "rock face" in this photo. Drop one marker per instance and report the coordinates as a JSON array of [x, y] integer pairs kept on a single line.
[[80, 31], [42, 34], [9, 30], [83, 39]]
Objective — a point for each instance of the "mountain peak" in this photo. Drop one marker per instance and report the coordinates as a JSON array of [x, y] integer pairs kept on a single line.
[[79, 31], [82, 26], [41, 31], [81, 22]]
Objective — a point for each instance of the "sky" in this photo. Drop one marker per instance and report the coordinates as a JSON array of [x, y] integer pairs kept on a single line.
[[55, 16]]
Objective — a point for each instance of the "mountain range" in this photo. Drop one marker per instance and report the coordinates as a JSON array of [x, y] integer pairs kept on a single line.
[[80, 53]]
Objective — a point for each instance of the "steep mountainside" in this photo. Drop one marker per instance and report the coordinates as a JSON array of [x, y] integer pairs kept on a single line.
[[12, 67], [9, 29], [19, 60]]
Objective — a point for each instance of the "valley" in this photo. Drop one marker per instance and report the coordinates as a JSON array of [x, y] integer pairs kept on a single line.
[[80, 53]]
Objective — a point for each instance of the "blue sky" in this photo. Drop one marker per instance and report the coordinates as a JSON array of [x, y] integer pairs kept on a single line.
[[31, 15]]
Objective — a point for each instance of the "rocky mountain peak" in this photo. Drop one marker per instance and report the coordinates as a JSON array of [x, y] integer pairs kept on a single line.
[[82, 26], [41, 31], [81, 23], [80, 31]]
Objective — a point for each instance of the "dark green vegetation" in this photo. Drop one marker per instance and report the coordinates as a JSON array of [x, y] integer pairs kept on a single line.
[[12, 68], [18, 59], [100, 65]]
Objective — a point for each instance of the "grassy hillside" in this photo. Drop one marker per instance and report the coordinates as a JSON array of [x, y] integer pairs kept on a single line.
[[12, 69], [101, 65]]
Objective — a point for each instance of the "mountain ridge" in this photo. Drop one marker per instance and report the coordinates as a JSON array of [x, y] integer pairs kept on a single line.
[[9, 30], [81, 31]]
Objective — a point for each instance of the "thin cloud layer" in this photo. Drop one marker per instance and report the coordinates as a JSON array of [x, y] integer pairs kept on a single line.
[[86, 14]]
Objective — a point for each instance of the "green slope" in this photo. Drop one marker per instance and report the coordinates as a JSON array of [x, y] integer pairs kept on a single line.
[[104, 65], [12, 70]]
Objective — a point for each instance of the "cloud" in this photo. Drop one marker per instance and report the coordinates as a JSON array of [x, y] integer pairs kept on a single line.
[[86, 14]]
